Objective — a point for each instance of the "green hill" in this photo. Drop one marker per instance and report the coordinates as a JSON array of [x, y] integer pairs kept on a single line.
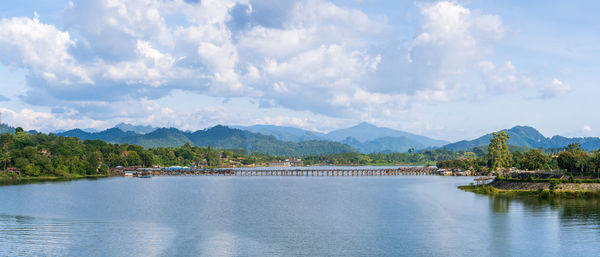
[[218, 136], [524, 136]]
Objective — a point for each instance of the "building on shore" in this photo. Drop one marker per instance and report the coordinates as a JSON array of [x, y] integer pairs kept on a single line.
[[292, 162]]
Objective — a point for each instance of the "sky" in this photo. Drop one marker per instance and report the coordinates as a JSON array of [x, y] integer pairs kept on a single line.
[[446, 69]]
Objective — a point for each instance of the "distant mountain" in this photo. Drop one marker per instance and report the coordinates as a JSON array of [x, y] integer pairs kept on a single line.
[[365, 132], [284, 133], [218, 136], [365, 137], [140, 129], [89, 130], [112, 135], [225, 137], [162, 137], [529, 137], [6, 129], [384, 144]]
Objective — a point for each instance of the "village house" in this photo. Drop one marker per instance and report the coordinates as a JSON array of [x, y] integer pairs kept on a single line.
[[13, 171], [287, 163]]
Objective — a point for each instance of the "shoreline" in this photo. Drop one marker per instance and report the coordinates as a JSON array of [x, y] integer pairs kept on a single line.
[[17, 180], [508, 188]]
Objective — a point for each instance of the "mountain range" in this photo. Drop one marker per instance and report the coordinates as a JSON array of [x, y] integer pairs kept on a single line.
[[218, 136], [528, 137], [279, 140], [364, 137], [269, 139]]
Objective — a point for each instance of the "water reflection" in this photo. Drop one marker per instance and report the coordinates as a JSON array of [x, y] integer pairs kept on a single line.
[[288, 216], [581, 210], [500, 204]]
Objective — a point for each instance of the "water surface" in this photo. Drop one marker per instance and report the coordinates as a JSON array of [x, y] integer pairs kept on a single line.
[[288, 216]]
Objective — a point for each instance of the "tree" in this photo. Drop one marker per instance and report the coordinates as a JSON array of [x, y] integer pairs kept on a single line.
[[574, 148], [517, 159], [19, 130], [534, 159], [4, 157], [574, 158], [147, 158], [498, 152], [582, 161], [595, 159], [133, 158], [566, 160]]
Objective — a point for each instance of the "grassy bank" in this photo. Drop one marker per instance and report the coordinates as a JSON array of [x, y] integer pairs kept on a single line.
[[15, 180], [540, 193]]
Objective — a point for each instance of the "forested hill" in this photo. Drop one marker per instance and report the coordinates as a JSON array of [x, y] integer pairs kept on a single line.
[[364, 137], [218, 136], [529, 137]]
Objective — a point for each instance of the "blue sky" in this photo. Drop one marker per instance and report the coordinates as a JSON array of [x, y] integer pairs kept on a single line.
[[446, 69]]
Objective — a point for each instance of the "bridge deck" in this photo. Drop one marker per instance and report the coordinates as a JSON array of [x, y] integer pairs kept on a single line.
[[412, 171]]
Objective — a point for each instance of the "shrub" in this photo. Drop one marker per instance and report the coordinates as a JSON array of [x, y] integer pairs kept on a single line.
[[553, 184]]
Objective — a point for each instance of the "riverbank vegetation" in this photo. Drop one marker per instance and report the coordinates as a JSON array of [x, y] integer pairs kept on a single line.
[[572, 159], [570, 173], [36, 156], [539, 193]]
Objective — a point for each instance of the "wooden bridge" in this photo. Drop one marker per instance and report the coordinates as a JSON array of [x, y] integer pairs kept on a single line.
[[402, 171]]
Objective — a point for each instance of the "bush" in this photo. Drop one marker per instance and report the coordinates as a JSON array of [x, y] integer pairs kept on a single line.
[[544, 194], [553, 184]]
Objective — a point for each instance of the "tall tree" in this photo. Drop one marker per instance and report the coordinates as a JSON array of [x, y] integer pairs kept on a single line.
[[4, 157], [595, 159], [498, 152]]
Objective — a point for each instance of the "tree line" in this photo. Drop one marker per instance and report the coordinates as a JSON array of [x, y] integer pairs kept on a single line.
[[51, 155], [572, 158]]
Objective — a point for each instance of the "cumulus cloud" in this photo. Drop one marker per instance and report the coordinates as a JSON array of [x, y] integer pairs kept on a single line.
[[44, 121], [309, 55], [587, 128], [40, 48], [452, 40], [555, 88], [114, 51], [502, 79]]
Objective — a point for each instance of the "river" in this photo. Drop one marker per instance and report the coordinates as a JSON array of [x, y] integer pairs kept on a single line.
[[288, 216]]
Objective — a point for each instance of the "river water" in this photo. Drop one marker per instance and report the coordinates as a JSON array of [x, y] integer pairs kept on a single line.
[[288, 216]]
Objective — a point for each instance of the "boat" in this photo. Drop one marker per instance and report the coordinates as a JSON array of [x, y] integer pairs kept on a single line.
[[145, 174]]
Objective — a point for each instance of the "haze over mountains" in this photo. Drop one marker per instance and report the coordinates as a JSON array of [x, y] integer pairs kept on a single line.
[[280, 140], [364, 137]]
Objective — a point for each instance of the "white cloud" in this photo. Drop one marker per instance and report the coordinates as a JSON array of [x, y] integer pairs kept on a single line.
[[44, 121], [453, 37], [40, 48], [310, 56], [587, 128], [556, 88]]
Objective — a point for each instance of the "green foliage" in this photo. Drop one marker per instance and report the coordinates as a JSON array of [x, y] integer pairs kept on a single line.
[[553, 184], [415, 158], [499, 154], [534, 159]]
